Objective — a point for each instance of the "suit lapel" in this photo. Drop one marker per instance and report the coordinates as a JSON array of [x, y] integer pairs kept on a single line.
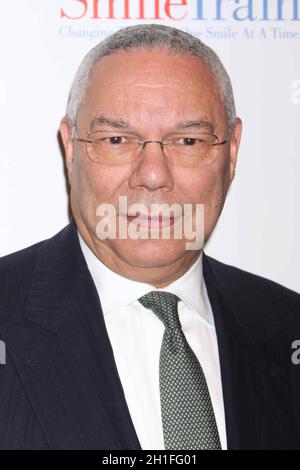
[[64, 357], [254, 365]]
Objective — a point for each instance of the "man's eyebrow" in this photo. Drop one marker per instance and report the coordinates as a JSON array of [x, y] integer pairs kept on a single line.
[[198, 124], [109, 122]]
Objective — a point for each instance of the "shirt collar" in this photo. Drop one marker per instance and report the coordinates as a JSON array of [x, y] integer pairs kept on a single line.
[[116, 291]]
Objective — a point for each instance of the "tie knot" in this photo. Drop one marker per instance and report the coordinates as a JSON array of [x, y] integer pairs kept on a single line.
[[164, 305]]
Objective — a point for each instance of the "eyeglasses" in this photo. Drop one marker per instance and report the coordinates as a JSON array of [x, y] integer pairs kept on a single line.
[[110, 148]]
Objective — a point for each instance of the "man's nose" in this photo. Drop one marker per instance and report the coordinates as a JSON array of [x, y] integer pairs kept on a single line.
[[152, 170]]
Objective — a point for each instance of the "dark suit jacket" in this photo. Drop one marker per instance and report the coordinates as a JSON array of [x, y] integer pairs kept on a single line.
[[60, 388]]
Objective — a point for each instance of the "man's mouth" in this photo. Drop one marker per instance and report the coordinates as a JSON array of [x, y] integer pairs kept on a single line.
[[154, 222]]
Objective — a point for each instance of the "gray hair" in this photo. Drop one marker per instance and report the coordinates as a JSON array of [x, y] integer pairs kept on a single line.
[[151, 36]]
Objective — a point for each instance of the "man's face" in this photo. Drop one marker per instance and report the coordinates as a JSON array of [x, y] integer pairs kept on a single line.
[[151, 91]]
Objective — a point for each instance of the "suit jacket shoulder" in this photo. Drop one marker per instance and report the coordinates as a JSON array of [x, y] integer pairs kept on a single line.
[[235, 276], [17, 269], [15, 273], [259, 301]]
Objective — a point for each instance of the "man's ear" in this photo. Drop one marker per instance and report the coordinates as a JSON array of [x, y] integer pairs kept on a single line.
[[67, 140], [234, 145]]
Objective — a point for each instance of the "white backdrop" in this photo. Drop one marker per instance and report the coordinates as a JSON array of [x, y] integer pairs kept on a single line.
[[41, 47]]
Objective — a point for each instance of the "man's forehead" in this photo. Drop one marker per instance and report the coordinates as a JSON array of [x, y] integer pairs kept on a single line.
[[162, 76], [156, 59], [141, 91]]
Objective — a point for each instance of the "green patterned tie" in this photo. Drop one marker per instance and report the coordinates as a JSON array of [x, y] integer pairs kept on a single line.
[[187, 414]]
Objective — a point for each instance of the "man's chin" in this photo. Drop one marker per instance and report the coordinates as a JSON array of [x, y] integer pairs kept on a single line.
[[149, 253]]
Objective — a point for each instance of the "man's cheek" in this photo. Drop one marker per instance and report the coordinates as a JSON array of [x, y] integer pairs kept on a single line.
[[208, 188], [104, 187]]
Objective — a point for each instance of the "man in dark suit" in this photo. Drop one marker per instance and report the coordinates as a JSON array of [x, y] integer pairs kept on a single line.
[[137, 342]]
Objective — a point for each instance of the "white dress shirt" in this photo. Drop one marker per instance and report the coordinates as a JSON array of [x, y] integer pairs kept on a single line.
[[135, 334]]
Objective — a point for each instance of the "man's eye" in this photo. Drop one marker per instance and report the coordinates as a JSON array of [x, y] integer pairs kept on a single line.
[[188, 141], [115, 140]]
